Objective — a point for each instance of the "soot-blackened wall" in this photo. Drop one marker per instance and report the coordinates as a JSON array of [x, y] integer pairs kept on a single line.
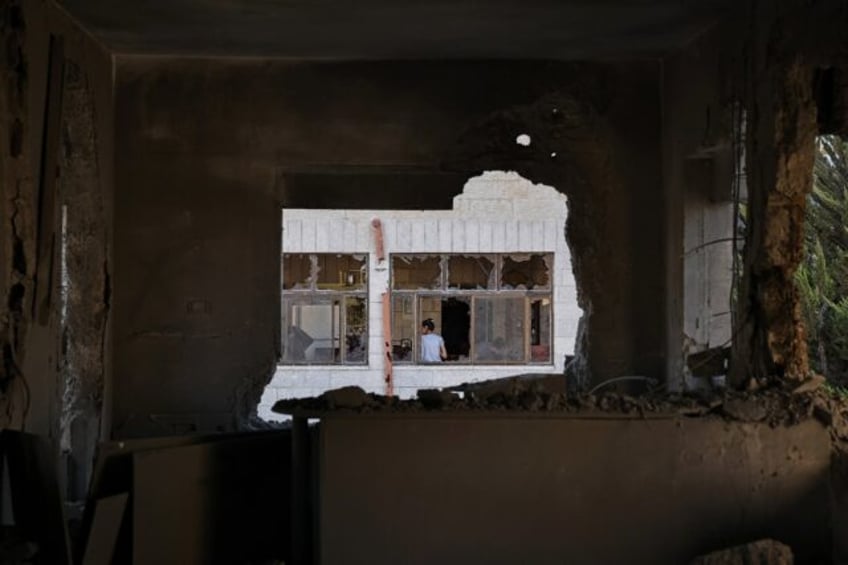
[[201, 147]]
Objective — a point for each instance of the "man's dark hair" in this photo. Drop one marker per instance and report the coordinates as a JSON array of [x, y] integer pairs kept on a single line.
[[428, 323]]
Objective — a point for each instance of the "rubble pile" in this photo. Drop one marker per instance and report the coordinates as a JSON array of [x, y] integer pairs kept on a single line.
[[781, 405]]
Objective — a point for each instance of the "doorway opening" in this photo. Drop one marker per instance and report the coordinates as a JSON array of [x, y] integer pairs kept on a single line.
[[456, 324]]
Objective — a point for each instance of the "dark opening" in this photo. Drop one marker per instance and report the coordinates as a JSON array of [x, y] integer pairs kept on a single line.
[[456, 327]]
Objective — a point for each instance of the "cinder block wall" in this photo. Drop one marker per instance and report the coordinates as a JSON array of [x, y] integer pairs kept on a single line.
[[497, 212]]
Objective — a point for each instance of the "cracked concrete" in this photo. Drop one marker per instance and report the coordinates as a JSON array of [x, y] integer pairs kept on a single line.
[[16, 228], [769, 342], [84, 280]]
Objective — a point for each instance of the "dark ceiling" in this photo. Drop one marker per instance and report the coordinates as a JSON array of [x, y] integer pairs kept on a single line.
[[397, 29]]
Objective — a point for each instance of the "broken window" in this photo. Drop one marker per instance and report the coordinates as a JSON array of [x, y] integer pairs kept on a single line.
[[467, 272], [324, 309], [528, 271], [416, 271], [489, 308], [297, 271]]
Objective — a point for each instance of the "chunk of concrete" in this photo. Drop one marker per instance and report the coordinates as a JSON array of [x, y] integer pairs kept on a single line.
[[745, 409], [435, 399], [813, 383], [345, 397]]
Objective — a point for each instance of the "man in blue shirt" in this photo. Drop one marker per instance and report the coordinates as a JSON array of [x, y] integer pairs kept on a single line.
[[432, 345]]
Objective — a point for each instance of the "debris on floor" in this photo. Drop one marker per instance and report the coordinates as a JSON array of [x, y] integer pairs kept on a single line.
[[15, 549], [781, 405]]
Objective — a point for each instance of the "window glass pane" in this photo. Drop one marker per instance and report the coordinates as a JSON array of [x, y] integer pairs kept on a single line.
[[499, 329], [297, 271], [468, 272], [416, 272], [403, 327], [540, 330], [356, 330], [526, 271], [311, 330], [333, 271]]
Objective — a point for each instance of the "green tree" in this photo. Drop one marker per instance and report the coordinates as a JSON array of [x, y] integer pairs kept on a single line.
[[823, 276]]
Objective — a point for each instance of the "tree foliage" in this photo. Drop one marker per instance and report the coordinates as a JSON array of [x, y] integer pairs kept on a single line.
[[823, 276]]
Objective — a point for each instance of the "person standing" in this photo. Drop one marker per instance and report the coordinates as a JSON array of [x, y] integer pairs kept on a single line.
[[432, 345]]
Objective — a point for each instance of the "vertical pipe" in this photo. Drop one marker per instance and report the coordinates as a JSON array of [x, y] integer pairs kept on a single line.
[[380, 252], [387, 342]]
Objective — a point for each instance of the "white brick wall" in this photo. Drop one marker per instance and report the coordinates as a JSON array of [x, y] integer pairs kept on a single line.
[[497, 212]]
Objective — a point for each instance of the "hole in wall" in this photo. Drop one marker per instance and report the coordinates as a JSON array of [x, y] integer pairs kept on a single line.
[[495, 270], [822, 276], [16, 297], [19, 262]]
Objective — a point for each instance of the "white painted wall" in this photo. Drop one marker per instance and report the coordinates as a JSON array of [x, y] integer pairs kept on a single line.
[[708, 277], [497, 212]]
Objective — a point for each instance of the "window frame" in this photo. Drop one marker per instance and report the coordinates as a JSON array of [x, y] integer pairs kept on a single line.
[[314, 292], [446, 291]]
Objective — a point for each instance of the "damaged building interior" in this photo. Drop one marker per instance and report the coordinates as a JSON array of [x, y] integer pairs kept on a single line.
[[151, 151]]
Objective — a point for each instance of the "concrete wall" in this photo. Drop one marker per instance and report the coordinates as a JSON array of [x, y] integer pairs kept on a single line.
[[200, 147], [496, 213], [439, 488], [708, 274], [743, 63], [60, 153]]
